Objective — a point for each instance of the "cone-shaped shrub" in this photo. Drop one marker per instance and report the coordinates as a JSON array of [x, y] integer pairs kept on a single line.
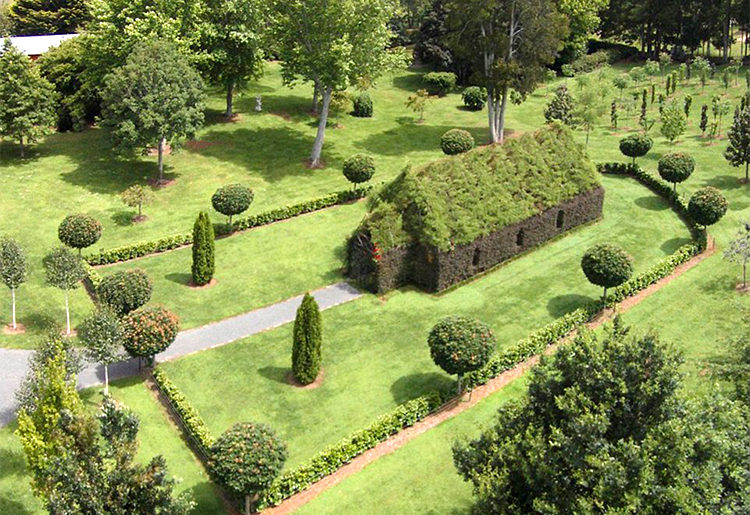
[[203, 250], [307, 340]]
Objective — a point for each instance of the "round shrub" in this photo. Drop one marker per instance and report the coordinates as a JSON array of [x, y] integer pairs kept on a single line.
[[460, 344], [363, 105], [676, 167], [125, 291], [359, 168], [149, 331], [636, 145], [439, 83], [232, 199], [456, 141], [474, 98], [607, 265], [79, 231], [246, 459], [707, 206]]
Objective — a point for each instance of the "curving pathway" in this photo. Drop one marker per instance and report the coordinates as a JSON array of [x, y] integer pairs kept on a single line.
[[14, 363]]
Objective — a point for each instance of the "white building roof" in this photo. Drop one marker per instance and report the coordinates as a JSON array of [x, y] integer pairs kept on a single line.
[[37, 45]]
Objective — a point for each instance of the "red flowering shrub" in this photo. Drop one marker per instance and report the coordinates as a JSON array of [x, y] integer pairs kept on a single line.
[[149, 331]]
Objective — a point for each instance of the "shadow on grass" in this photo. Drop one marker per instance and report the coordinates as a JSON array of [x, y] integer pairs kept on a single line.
[[670, 246], [179, 278], [409, 82], [205, 495], [276, 374], [123, 217], [652, 203], [412, 137], [563, 304], [724, 182], [409, 387]]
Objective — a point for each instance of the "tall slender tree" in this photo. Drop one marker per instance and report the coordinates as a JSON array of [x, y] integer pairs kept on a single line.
[[738, 151], [307, 341], [12, 270], [64, 271], [203, 250]]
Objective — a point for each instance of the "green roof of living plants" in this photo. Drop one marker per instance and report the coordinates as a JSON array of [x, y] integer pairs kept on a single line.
[[457, 199]]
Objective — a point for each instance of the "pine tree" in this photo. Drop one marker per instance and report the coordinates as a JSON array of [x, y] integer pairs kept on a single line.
[[203, 250], [704, 119], [27, 101], [33, 17], [307, 340], [560, 107], [738, 151]]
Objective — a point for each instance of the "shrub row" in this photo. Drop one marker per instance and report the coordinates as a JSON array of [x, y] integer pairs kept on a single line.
[[137, 250], [93, 278], [587, 63], [333, 458]]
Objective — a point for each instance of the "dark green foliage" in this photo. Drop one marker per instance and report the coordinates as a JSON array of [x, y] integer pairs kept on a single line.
[[203, 250], [149, 331], [439, 83], [603, 429], [460, 345], [474, 98], [37, 17], [190, 419], [707, 206], [13, 263], [456, 141], [64, 269], [676, 167], [125, 291], [607, 265], [232, 199], [79, 231], [359, 168], [307, 340], [560, 108], [102, 335], [636, 145], [688, 104], [738, 151], [363, 105], [704, 119], [247, 458], [613, 114]]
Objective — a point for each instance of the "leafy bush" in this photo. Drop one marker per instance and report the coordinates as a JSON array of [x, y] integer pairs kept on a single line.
[[363, 105], [676, 167], [460, 345], [231, 200], [474, 98], [307, 338], [125, 291], [79, 231], [636, 145], [456, 141], [607, 265], [204, 266], [149, 331], [560, 108], [439, 83], [137, 196], [359, 168], [707, 206]]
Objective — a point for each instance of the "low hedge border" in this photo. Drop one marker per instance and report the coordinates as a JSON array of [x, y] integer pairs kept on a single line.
[[146, 248]]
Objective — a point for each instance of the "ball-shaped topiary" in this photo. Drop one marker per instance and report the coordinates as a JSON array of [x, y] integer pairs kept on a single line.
[[246, 459], [460, 344], [232, 199], [636, 145], [474, 98], [363, 105], [456, 141], [125, 291], [359, 168], [149, 331], [79, 231], [607, 265], [707, 206], [676, 167], [439, 83]]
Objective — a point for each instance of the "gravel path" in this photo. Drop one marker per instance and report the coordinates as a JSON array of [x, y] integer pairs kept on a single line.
[[13, 362]]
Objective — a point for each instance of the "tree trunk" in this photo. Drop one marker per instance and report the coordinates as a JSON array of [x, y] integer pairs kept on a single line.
[[604, 296], [162, 142], [247, 505], [13, 302], [501, 116], [230, 90], [747, 169], [318, 145], [22, 151], [140, 208], [67, 313], [588, 131], [316, 93], [106, 379], [491, 108], [460, 385]]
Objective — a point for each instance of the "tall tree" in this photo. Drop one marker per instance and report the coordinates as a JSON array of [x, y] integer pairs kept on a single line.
[[103, 336], [154, 100], [27, 101], [204, 261], [307, 338], [509, 42], [12, 270], [334, 44], [738, 151], [34, 17], [64, 271], [232, 37], [583, 18]]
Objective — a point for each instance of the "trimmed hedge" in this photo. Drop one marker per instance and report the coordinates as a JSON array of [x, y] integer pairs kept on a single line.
[[439, 83], [456, 141], [146, 248]]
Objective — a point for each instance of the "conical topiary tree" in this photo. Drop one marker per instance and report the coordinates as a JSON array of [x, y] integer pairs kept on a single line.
[[203, 250], [307, 340]]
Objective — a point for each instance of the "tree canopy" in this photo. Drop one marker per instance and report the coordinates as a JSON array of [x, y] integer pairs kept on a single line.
[[36, 17]]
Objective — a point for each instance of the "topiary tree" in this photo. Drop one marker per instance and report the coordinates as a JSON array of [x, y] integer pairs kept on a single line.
[[203, 250], [246, 459], [137, 196], [232, 199], [125, 291], [707, 206], [560, 108], [460, 345], [103, 336], [636, 145], [456, 141], [64, 271], [79, 231], [738, 151], [359, 168], [474, 98], [149, 331], [676, 167], [363, 105], [607, 265], [307, 340], [12, 270]]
